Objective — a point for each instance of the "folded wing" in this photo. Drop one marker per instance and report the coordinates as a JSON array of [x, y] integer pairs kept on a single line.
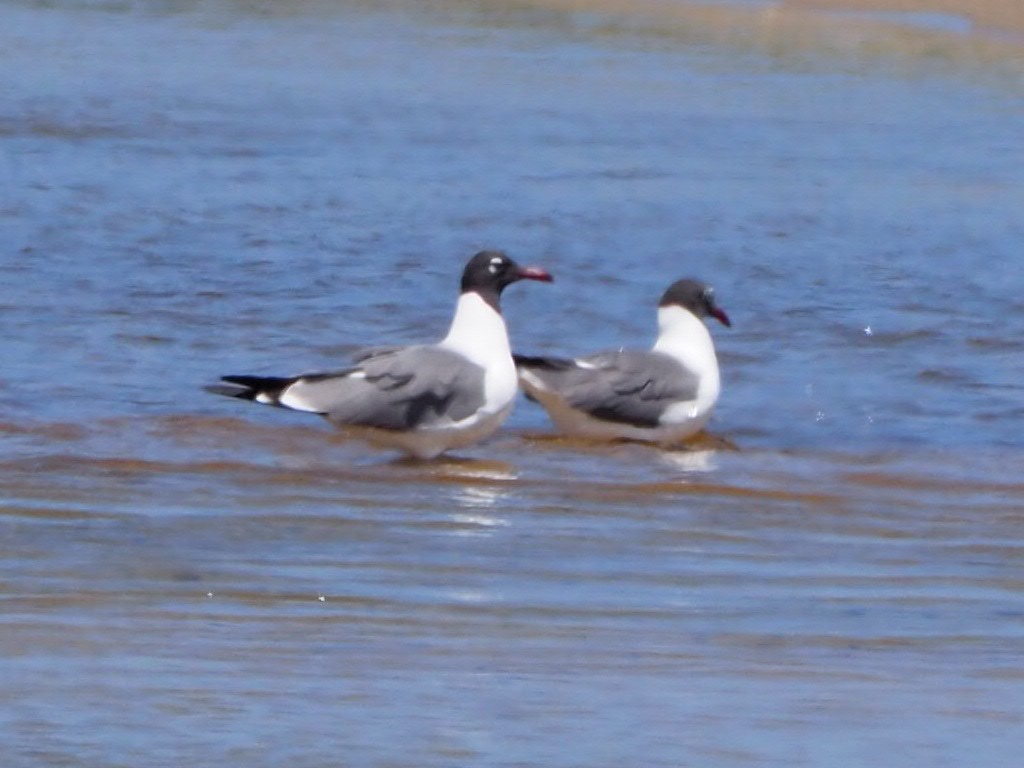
[[624, 386], [406, 388]]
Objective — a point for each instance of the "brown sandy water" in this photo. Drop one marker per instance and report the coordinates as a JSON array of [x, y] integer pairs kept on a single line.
[[913, 35], [833, 577], [993, 15]]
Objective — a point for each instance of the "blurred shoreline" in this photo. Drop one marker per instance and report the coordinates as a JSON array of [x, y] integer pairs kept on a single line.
[[1006, 16], [962, 33]]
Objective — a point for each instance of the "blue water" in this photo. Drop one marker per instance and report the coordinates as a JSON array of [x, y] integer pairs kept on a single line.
[[833, 578]]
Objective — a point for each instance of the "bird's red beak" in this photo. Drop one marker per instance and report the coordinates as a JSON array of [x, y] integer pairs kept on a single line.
[[535, 273], [721, 317]]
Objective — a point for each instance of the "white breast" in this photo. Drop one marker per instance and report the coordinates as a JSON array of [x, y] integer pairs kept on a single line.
[[684, 336], [478, 332]]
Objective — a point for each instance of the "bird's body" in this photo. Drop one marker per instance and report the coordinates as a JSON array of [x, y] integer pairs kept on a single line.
[[662, 395], [422, 399]]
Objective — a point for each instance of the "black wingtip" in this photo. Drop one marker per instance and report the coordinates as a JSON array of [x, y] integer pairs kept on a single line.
[[545, 363], [230, 391], [250, 387], [254, 382]]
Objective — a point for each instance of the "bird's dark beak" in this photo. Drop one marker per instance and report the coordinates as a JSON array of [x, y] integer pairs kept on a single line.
[[720, 316], [534, 273]]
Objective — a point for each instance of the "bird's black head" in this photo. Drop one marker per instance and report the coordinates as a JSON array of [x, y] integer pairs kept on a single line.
[[490, 272], [695, 296]]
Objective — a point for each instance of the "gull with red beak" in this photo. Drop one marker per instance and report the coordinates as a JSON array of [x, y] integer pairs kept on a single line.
[[663, 395], [424, 399]]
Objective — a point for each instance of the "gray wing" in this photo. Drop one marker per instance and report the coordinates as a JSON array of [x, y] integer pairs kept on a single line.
[[624, 386], [395, 389], [366, 353]]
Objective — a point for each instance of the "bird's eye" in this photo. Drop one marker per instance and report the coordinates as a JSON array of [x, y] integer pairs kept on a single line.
[[497, 263]]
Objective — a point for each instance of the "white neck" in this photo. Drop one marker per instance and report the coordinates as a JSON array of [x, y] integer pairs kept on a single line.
[[683, 335], [477, 331]]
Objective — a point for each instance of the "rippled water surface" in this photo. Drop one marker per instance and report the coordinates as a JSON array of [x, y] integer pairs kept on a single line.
[[832, 577]]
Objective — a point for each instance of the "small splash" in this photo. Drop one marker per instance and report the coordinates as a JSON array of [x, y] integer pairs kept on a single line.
[[691, 462], [479, 497], [478, 521]]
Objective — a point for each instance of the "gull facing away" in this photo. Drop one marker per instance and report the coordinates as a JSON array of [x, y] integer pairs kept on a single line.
[[661, 396], [424, 399]]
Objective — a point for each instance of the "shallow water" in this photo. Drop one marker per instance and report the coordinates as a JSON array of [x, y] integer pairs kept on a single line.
[[832, 578]]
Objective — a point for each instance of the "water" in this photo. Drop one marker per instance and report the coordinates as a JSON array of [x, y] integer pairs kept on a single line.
[[832, 578]]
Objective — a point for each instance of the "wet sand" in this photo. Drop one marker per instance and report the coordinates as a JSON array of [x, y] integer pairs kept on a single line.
[[999, 15], [955, 31]]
